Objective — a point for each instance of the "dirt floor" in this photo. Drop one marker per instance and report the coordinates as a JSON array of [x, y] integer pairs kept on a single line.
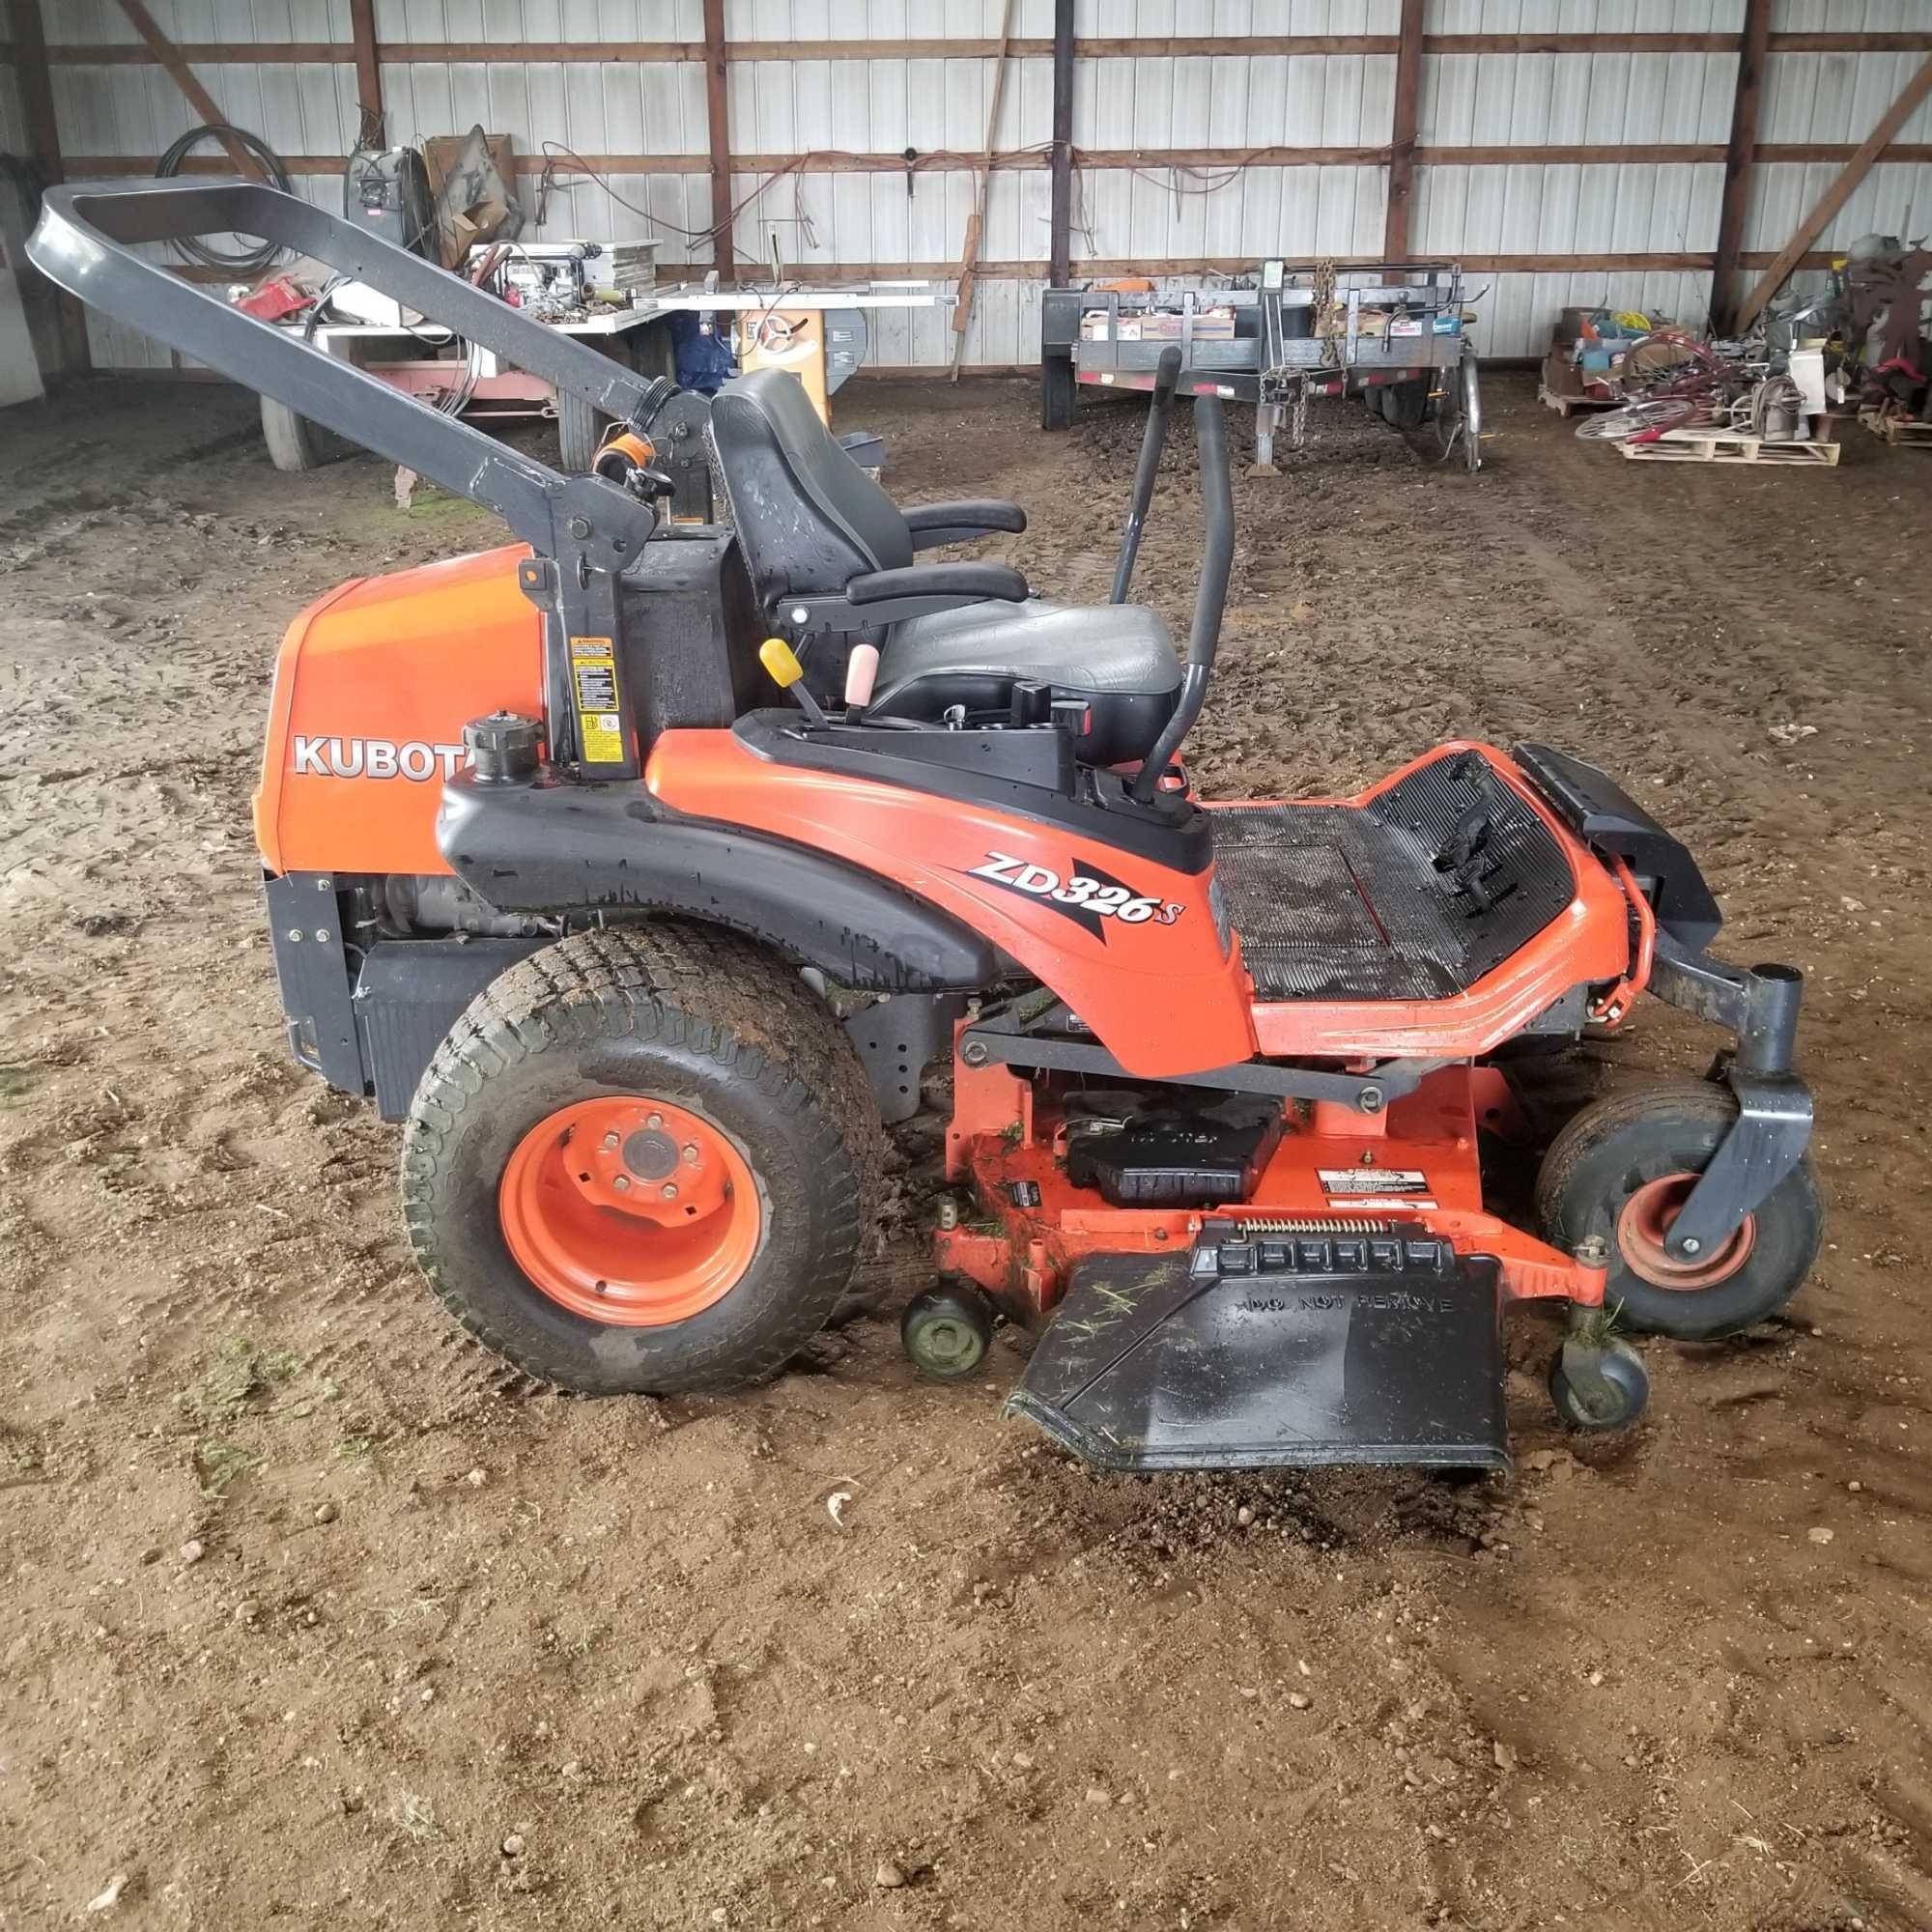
[[313, 1615]]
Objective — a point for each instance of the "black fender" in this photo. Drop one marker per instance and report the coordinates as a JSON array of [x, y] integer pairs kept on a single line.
[[538, 848]]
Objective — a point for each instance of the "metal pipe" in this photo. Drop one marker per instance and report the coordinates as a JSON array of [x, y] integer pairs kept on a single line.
[[1165, 376], [1767, 1039], [1203, 638]]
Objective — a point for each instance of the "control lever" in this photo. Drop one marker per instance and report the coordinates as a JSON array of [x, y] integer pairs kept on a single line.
[[780, 659], [862, 673], [1210, 594], [1166, 375]]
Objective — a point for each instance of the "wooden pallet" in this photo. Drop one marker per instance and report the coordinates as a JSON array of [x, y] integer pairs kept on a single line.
[[1551, 399], [1898, 430], [1720, 446]]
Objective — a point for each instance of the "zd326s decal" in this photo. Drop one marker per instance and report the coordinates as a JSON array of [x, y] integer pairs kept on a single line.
[[1088, 896]]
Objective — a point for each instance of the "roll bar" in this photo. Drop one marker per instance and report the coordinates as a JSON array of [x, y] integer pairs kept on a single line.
[[1210, 596], [1166, 373], [85, 242], [585, 530]]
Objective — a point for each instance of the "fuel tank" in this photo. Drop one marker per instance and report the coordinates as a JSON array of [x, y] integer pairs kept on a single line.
[[374, 684]]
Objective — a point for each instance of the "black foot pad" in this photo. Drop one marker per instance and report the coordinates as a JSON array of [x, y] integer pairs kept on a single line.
[[1290, 1350]]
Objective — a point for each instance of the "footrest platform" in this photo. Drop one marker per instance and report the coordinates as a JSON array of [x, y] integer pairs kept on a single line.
[[1263, 1349]]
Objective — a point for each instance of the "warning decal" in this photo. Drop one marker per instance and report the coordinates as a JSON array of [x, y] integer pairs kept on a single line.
[[1349, 1180], [593, 672]]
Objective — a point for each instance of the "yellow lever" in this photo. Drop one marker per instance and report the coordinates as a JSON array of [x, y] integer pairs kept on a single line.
[[780, 659]]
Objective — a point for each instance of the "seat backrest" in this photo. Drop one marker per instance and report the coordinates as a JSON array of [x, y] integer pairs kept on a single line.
[[810, 520]]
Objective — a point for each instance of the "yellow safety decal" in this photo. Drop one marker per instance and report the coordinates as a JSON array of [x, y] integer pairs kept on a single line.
[[593, 672]]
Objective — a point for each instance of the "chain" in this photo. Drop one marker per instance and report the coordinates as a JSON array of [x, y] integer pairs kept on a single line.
[[1322, 303], [1298, 427]]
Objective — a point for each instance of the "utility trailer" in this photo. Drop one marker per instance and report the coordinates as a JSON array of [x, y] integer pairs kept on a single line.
[[1393, 335]]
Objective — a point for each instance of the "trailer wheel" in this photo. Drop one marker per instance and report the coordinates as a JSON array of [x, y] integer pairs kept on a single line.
[[296, 444], [1059, 392], [1405, 404], [642, 1161], [1623, 1169]]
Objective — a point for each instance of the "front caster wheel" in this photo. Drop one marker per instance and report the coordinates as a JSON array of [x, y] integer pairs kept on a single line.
[[947, 1331], [1622, 1171], [1599, 1385]]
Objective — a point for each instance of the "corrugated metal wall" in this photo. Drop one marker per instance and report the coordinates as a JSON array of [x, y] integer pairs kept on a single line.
[[825, 105]]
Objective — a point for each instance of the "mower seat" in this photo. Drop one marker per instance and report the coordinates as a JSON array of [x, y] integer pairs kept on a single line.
[[1118, 659], [818, 535]]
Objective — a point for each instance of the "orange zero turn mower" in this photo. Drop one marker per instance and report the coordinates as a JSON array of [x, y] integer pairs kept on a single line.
[[645, 868]]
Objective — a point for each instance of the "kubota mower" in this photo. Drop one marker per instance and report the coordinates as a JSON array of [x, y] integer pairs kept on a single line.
[[644, 951]]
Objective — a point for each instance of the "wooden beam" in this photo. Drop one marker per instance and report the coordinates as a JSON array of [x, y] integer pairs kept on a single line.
[[1840, 151], [975, 222], [1838, 193], [36, 102], [1210, 161], [1401, 133], [717, 127], [1851, 43], [1740, 162], [221, 53], [1097, 268], [181, 74], [368, 71], [520, 53], [1060, 223], [29, 54]]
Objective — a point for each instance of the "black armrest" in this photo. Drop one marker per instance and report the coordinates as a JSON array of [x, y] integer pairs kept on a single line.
[[934, 524], [964, 583], [882, 597]]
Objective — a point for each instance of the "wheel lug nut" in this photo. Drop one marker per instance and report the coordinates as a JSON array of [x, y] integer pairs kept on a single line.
[[610, 1139], [655, 1121], [690, 1151], [622, 1183], [670, 1190]]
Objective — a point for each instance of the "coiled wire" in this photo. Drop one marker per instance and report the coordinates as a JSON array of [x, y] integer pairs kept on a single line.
[[238, 263]]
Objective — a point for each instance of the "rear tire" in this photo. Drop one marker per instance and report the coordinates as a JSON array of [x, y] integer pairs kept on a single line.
[[714, 1030]]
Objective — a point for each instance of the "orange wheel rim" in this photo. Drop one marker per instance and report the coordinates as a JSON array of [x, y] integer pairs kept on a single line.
[[1645, 1222], [630, 1211]]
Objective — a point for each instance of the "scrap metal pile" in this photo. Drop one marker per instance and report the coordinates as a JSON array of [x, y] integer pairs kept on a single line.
[[1859, 346]]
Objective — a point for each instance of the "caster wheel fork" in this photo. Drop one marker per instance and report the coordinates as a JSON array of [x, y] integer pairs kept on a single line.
[[1597, 1383]]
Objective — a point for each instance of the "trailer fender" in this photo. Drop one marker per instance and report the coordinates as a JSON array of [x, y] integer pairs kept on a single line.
[[609, 849]]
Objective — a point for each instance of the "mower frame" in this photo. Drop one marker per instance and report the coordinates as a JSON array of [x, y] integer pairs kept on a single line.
[[936, 862]]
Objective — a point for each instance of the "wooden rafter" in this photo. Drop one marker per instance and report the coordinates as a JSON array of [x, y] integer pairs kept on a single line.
[[182, 76], [1739, 162], [1838, 194]]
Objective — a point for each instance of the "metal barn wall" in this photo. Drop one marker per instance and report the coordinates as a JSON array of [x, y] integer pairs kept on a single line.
[[1161, 138]]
